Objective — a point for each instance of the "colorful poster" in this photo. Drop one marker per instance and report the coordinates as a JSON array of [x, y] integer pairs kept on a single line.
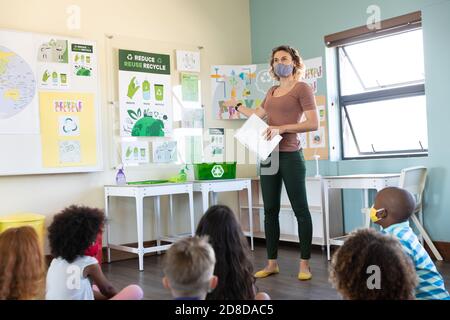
[[317, 138], [313, 71], [188, 61], [68, 129], [313, 68], [82, 59], [248, 84], [145, 94], [19, 113], [189, 87], [135, 152], [53, 69], [164, 151], [216, 141]]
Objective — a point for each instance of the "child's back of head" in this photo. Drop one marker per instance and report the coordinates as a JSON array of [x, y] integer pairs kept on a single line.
[[372, 266], [233, 267], [188, 268], [21, 265]]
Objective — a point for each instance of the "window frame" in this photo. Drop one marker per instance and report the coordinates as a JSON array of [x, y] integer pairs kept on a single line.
[[390, 27]]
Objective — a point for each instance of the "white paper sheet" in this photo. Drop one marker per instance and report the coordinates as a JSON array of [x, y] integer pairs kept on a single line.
[[251, 136]]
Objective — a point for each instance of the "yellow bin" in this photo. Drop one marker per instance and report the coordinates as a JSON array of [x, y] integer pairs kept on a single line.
[[36, 221]]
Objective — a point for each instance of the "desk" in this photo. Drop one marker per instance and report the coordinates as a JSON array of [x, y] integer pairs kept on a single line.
[[139, 192], [214, 186], [359, 181]]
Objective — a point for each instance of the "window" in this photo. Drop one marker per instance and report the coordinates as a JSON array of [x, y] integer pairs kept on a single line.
[[382, 93]]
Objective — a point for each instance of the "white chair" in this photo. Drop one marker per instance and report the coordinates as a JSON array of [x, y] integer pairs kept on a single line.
[[413, 179]]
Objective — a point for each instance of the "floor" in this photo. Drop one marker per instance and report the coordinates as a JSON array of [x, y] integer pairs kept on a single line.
[[283, 286]]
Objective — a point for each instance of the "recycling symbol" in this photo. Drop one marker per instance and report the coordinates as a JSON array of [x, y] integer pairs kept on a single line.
[[217, 171], [130, 56]]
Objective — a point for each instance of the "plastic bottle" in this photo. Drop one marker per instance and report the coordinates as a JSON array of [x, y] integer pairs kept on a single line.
[[120, 177]]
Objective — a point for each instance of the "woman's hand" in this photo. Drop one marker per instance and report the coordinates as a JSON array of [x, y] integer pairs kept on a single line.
[[272, 131], [230, 103]]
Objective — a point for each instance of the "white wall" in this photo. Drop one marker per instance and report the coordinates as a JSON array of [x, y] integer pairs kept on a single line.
[[222, 27]]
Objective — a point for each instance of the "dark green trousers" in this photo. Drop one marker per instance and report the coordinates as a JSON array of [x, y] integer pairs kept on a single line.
[[291, 171]]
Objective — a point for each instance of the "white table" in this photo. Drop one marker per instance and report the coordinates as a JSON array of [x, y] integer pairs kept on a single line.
[[139, 192], [358, 181], [215, 186]]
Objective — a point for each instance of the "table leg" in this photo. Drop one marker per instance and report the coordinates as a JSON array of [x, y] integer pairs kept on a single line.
[[366, 205], [214, 198], [157, 203], [191, 212], [108, 230], [327, 217], [205, 201], [140, 230], [171, 215], [250, 213]]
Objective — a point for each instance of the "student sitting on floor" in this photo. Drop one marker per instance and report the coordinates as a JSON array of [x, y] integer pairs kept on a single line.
[[22, 272], [233, 268], [188, 269], [372, 266], [391, 210], [71, 272]]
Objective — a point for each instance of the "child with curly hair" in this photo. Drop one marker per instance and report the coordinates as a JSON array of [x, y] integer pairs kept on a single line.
[[71, 274], [366, 254], [22, 271]]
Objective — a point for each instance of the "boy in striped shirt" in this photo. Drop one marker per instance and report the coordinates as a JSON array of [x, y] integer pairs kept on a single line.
[[391, 210]]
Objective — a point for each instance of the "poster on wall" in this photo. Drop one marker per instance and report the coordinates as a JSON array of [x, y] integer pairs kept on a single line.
[[313, 71], [315, 143], [135, 152], [164, 151], [68, 130], [216, 142], [188, 61], [145, 94], [19, 112], [248, 84]]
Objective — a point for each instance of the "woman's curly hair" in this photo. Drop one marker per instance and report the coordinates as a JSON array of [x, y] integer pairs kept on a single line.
[[22, 270], [299, 66], [233, 266], [73, 230], [349, 271]]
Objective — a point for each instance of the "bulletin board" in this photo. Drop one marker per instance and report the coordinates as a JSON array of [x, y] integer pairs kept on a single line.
[[316, 142], [49, 104], [153, 94]]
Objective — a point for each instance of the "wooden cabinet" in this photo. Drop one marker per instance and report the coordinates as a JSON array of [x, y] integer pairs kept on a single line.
[[288, 221]]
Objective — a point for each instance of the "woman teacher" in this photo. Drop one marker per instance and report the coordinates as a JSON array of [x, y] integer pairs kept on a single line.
[[284, 106]]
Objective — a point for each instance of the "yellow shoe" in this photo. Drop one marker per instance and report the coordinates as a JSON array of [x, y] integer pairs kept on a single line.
[[303, 276], [263, 273]]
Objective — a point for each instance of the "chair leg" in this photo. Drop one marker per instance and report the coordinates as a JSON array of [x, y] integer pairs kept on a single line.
[[420, 216], [426, 237]]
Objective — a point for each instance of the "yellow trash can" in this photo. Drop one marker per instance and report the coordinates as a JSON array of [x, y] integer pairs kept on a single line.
[[36, 221]]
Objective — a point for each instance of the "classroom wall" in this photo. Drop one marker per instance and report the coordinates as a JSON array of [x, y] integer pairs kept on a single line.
[[304, 24], [193, 22]]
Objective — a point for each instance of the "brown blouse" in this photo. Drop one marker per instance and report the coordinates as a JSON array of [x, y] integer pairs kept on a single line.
[[288, 109]]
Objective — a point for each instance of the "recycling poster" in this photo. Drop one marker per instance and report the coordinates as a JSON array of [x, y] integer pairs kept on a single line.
[[144, 94]]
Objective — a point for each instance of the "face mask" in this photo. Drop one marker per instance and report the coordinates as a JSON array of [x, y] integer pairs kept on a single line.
[[283, 70], [373, 214]]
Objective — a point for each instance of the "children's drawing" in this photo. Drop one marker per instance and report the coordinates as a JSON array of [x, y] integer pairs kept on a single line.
[[246, 84], [53, 51], [69, 151], [164, 151]]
